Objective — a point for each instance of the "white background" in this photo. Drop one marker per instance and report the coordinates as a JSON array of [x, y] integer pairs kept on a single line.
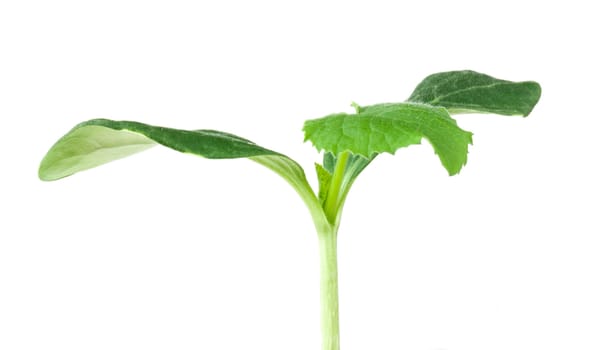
[[167, 251]]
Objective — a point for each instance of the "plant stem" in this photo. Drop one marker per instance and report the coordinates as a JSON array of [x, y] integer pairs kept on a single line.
[[329, 295], [332, 203]]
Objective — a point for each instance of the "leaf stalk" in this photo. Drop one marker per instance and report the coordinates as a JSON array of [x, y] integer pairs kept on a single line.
[[333, 202]]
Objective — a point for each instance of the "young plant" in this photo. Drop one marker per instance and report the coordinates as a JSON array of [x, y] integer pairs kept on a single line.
[[349, 143]]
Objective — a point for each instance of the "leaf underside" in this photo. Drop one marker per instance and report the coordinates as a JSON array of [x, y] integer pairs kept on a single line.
[[388, 127], [469, 92], [99, 141]]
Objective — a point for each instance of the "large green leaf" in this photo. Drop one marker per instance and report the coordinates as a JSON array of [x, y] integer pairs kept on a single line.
[[469, 91], [99, 141], [388, 127]]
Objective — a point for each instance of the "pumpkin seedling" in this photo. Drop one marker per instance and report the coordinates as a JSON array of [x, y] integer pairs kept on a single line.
[[349, 143]]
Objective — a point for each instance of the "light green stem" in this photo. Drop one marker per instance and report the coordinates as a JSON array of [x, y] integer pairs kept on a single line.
[[333, 202], [329, 295]]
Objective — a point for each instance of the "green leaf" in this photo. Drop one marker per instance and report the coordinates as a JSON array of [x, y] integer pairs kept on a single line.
[[100, 141], [328, 161], [354, 166], [469, 91], [324, 182], [388, 127]]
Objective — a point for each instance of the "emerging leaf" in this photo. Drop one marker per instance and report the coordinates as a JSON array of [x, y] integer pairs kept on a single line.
[[328, 161], [388, 127], [468, 91], [324, 181]]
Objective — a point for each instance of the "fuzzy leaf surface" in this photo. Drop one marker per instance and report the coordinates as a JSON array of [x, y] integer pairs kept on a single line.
[[388, 127], [469, 92]]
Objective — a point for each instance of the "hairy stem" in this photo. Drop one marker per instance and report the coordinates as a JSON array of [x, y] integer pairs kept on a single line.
[[329, 295]]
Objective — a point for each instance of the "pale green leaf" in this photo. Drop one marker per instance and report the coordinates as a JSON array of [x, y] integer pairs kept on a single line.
[[324, 181], [468, 91]]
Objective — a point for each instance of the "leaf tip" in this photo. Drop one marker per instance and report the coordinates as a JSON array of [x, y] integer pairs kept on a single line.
[[42, 174], [45, 169], [533, 92]]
